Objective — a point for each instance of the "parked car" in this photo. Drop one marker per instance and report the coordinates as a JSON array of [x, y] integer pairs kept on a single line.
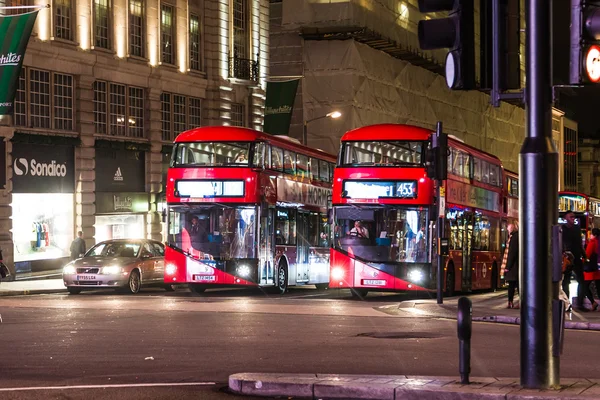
[[121, 264]]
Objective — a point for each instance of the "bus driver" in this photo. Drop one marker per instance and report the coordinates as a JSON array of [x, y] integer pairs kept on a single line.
[[359, 230]]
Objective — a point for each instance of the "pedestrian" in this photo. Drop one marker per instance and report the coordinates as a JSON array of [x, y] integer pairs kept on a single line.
[[590, 269], [78, 246], [510, 262], [573, 242]]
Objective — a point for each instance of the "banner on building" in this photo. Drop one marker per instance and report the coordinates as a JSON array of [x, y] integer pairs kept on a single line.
[[15, 31], [279, 105]]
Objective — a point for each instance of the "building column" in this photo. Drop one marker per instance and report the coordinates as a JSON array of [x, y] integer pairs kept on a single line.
[[6, 243], [154, 182], [85, 174]]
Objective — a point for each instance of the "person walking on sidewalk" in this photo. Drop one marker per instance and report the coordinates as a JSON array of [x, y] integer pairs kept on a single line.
[[78, 246], [572, 241], [510, 262], [590, 268]]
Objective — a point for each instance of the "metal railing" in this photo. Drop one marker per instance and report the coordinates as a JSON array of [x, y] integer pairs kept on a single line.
[[244, 69]]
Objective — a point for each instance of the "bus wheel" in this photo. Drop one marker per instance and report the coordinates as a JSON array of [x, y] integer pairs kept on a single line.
[[449, 282], [322, 286], [197, 289], [359, 293], [494, 284], [282, 278]]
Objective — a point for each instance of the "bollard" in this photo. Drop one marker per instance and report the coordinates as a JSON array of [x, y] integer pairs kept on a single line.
[[463, 319]]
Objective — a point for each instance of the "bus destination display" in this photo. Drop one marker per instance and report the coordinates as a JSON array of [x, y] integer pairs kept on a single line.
[[199, 189], [377, 189]]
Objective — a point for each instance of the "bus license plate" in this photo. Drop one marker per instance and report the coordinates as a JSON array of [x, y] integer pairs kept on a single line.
[[205, 278], [86, 278], [377, 282]]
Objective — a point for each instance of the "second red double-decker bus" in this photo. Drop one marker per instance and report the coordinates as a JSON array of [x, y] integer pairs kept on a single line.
[[385, 211], [586, 209], [247, 208]]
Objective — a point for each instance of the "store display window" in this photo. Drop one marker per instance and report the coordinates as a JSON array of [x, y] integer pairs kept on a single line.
[[124, 226], [42, 225]]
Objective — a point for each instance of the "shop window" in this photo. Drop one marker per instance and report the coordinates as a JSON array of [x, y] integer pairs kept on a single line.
[[42, 230], [324, 229], [121, 226]]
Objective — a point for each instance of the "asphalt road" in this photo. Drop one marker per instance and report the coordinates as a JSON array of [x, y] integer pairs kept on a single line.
[[98, 340]]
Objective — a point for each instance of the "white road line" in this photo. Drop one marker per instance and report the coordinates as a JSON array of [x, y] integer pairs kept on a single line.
[[125, 385]]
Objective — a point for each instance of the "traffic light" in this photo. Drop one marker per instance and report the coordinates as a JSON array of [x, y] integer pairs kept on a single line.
[[584, 66], [456, 33], [437, 160]]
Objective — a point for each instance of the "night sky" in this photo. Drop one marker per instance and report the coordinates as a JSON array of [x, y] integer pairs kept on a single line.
[[583, 105]]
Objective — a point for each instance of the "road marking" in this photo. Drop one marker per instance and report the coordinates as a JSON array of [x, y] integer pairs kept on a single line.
[[125, 385]]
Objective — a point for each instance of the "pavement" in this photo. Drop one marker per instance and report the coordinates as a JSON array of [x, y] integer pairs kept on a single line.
[[487, 308]]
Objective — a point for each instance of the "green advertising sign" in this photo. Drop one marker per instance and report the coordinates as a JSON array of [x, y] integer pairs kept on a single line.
[[279, 105], [15, 31]]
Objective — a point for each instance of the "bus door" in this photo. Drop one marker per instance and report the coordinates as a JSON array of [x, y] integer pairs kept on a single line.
[[467, 273], [266, 245], [303, 247]]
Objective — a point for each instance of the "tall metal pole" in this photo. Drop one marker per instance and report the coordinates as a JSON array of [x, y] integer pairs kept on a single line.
[[538, 204]]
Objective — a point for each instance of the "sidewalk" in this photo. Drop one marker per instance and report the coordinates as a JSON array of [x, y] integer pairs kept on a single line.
[[38, 286], [375, 387]]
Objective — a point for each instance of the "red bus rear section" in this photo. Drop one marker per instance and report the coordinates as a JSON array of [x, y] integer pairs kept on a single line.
[[247, 209], [385, 214]]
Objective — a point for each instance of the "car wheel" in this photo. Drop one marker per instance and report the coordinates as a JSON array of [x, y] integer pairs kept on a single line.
[[135, 282], [73, 290]]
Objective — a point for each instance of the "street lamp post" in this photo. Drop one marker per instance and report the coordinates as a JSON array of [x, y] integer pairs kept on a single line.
[[333, 115]]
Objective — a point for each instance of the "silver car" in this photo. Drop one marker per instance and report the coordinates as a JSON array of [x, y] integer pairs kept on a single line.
[[120, 264]]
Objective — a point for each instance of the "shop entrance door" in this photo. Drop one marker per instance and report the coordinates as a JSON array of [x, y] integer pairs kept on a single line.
[[266, 245], [303, 247]]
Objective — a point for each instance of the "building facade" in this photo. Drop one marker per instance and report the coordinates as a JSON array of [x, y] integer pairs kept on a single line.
[[105, 88], [589, 167]]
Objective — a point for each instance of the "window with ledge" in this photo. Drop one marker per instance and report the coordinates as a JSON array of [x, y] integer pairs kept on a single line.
[[240, 64], [102, 23], [63, 19], [179, 113], [44, 100], [195, 45], [167, 34], [136, 28], [238, 117], [14, 3], [119, 110]]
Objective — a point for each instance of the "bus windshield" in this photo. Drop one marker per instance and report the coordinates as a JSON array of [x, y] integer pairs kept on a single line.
[[378, 153], [391, 234], [213, 232], [211, 154]]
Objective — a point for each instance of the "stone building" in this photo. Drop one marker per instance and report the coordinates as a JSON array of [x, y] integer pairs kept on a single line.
[[589, 167], [106, 86], [362, 57]]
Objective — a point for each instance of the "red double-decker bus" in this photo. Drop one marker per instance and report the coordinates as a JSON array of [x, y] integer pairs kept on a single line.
[[381, 183], [245, 208], [586, 209]]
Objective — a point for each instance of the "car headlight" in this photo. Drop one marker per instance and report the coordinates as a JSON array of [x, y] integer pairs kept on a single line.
[[69, 270], [243, 270], [415, 275], [111, 270], [337, 273], [170, 269]]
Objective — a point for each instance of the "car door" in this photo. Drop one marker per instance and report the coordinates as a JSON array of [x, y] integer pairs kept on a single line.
[[148, 260], [159, 260]]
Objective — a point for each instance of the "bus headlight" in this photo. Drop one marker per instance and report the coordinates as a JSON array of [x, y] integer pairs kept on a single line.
[[243, 270], [170, 269], [337, 273], [415, 275]]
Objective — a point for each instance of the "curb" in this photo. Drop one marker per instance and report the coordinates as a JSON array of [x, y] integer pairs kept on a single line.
[[589, 326], [25, 292]]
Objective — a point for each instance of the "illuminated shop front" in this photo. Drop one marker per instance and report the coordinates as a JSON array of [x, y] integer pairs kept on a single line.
[[122, 203], [42, 205]]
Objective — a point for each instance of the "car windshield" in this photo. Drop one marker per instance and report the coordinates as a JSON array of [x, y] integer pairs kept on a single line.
[[114, 249]]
